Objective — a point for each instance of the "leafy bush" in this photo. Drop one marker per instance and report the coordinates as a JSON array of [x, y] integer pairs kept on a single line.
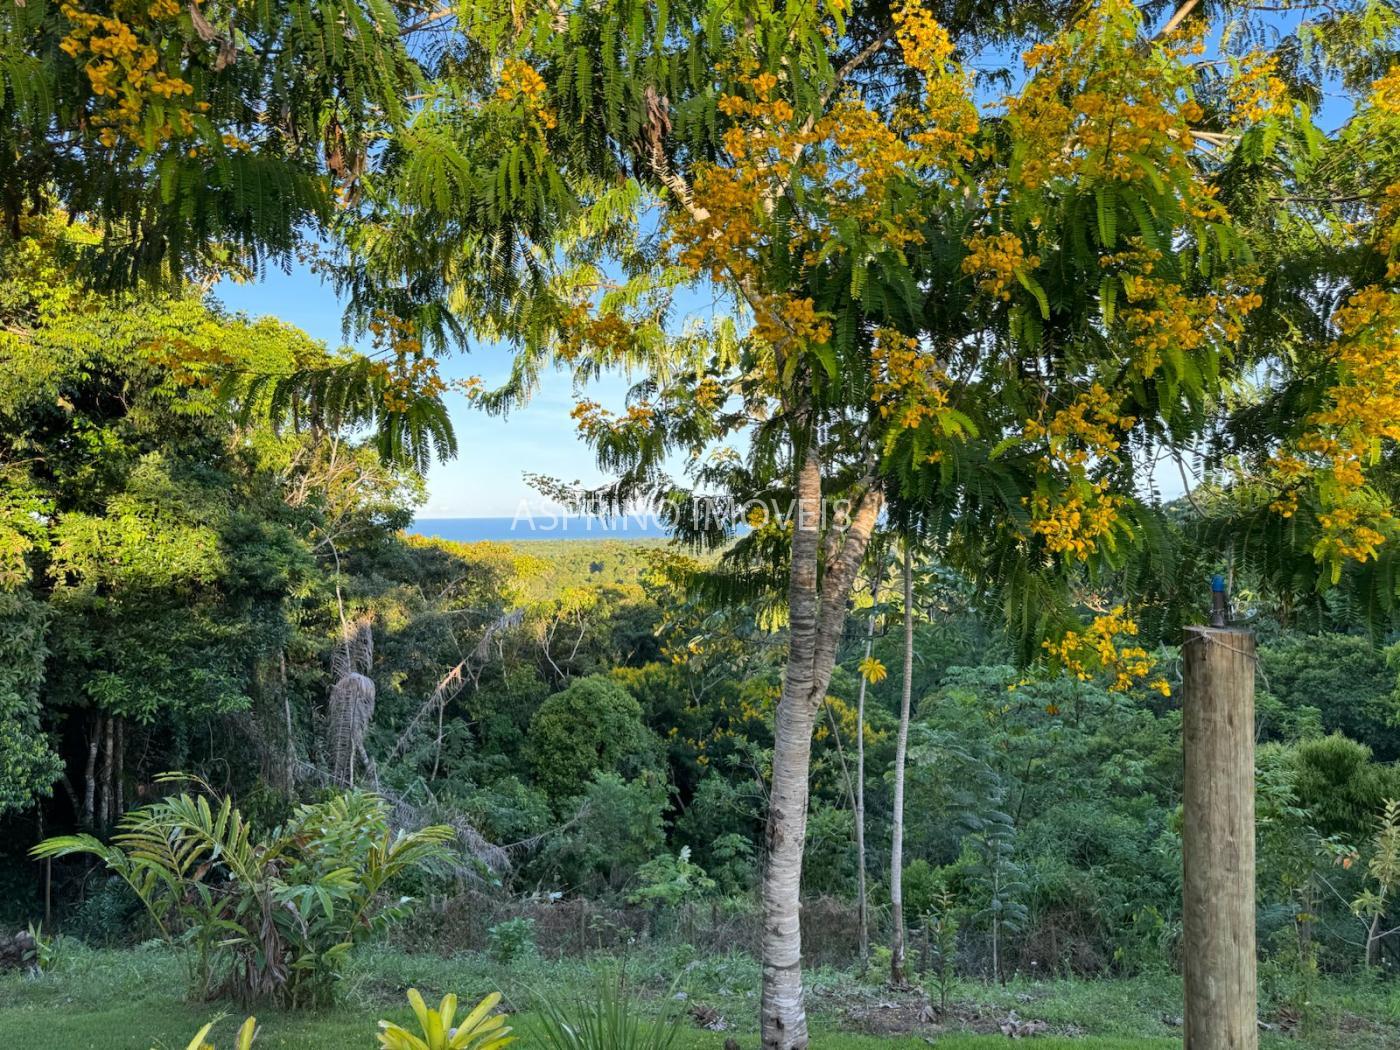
[[511, 939], [594, 726], [671, 879], [620, 827], [270, 918], [479, 1030], [107, 916]]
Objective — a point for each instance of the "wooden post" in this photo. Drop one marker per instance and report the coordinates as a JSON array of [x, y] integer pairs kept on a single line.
[[1218, 840]]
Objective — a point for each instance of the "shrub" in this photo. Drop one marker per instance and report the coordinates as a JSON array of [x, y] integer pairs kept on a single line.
[[511, 939], [594, 726], [609, 1021], [269, 918], [620, 827], [108, 916], [670, 879]]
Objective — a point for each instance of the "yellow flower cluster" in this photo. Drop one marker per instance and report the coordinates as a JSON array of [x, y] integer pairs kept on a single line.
[[408, 373], [520, 80], [869, 156], [941, 128], [594, 421], [1385, 92], [120, 54], [1388, 229], [910, 389], [726, 236], [1256, 91], [1159, 315], [1099, 107], [848, 723], [1350, 434], [851, 158], [709, 394], [605, 337], [785, 318], [1089, 428], [1100, 650], [1076, 521], [926, 44], [995, 259]]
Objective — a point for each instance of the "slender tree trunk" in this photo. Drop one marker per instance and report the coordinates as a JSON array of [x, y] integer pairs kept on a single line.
[[1373, 942], [901, 749], [104, 775], [289, 775], [119, 772], [996, 949], [817, 617], [862, 893], [90, 773]]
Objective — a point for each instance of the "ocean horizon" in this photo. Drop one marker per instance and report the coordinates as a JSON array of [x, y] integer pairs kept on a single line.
[[540, 527]]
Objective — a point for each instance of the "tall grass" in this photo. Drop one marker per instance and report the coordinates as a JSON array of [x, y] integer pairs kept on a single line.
[[610, 1019]]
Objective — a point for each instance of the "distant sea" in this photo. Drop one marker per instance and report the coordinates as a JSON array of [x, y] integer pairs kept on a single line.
[[539, 527]]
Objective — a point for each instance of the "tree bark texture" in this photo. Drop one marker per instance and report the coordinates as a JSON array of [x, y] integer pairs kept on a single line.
[[862, 893], [1218, 840], [898, 975], [817, 617]]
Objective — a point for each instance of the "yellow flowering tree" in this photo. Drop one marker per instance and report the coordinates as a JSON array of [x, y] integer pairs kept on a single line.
[[194, 136], [850, 286], [1310, 501]]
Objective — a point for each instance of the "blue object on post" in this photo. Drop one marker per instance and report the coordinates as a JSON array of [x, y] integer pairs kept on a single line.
[[1219, 610]]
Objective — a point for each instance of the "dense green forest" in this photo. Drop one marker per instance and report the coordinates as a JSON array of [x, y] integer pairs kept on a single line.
[[192, 588]]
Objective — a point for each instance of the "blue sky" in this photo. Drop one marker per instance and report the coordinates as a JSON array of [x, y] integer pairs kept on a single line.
[[487, 477]]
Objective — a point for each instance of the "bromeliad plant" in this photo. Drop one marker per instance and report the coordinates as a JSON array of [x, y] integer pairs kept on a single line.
[[480, 1030], [247, 1031], [268, 918]]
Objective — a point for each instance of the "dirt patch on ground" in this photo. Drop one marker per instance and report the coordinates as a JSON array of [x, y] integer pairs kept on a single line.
[[888, 1012]]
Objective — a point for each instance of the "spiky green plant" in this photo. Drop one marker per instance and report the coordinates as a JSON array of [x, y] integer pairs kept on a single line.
[[611, 1020], [482, 1029]]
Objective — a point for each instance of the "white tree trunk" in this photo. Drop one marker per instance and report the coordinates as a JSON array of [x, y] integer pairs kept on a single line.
[[817, 616], [901, 748], [862, 893]]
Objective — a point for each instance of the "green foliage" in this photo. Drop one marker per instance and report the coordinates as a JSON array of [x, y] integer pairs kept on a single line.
[[610, 1019], [200, 178], [1346, 678], [511, 939], [1338, 785], [28, 763], [671, 879], [480, 1029], [594, 726], [941, 916], [1383, 878], [263, 918], [619, 827]]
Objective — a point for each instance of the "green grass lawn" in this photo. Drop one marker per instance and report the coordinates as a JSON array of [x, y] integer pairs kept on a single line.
[[134, 1000]]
